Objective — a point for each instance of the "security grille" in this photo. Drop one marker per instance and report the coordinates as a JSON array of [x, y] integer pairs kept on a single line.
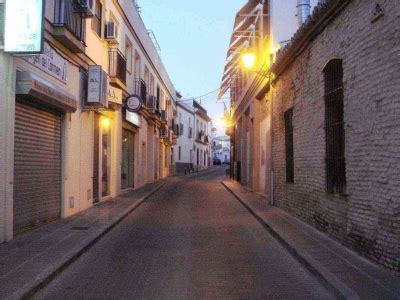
[[334, 128]]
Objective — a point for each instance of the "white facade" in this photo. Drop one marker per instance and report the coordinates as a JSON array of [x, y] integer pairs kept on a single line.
[[192, 150], [221, 148], [84, 130]]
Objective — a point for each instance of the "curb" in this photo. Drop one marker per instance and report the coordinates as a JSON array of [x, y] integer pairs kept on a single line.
[[328, 279], [43, 279]]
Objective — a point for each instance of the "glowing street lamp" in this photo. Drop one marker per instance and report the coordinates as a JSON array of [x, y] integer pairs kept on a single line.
[[248, 60], [105, 123]]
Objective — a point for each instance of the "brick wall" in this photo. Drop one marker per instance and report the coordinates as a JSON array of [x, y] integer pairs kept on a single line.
[[367, 219]]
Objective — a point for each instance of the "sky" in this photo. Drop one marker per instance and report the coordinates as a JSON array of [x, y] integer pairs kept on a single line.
[[194, 38]]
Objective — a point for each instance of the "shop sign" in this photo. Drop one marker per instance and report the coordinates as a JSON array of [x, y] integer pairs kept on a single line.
[[133, 103], [133, 118], [115, 95], [97, 86], [24, 28], [50, 62]]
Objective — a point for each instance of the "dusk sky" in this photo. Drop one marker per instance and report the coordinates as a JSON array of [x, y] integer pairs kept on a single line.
[[194, 38]]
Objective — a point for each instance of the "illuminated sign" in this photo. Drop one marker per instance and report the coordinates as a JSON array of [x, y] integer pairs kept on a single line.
[[24, 26], [133, 118]]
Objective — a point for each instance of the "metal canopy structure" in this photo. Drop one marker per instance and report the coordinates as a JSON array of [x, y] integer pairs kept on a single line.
[[245, 33]]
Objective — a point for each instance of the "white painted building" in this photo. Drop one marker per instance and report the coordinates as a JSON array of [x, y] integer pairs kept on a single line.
[[221, 148], [192, 150], [60, 153]]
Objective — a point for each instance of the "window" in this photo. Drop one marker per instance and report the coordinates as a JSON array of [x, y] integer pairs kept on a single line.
[[179, 153], [334, 127], [151, 89], [128, 55], [137, 65], [158, 95], [289, 146], [162, 100], [146, 76], [97, 20]]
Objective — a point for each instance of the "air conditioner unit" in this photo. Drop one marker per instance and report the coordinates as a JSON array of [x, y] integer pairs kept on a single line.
[[111, 32], [151, 102], [86, 7]]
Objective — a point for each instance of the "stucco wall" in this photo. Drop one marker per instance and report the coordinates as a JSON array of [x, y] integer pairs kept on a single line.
[[368, 218]]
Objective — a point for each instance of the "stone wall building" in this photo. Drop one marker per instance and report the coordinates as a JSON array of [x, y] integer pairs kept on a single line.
[[317, 123], [336, 127]]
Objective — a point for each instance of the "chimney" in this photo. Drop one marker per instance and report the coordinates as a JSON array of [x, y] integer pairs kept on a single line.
[[303, 11]]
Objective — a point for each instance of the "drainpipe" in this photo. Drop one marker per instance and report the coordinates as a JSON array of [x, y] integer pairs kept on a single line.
[[303, 11]]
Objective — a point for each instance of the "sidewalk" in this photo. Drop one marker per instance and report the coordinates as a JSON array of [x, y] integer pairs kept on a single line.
[[32, 259], [343, 271]]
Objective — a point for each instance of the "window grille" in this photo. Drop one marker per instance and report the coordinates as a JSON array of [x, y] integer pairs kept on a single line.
[[334, 127], [289, 149]]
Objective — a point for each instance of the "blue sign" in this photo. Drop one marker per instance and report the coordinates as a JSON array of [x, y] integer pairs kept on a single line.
[[133, 103]]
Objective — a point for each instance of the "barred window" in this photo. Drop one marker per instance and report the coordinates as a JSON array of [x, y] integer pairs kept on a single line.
[[334, 127], [289, 149]]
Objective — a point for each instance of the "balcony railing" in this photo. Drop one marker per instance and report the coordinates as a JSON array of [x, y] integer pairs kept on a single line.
[[141, 89], [164, 116], [65, 16], [117, 70]]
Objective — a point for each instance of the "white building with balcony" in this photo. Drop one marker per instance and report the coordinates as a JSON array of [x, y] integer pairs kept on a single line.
[[67, 140], [192, 151]]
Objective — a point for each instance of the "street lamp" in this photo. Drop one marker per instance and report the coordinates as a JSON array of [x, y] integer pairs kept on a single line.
[[248, 60]]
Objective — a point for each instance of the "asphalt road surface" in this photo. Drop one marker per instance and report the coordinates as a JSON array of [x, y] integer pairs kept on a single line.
[[190, 240]]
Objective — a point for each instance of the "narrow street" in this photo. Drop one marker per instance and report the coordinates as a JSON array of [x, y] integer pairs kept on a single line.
[[192, 239]]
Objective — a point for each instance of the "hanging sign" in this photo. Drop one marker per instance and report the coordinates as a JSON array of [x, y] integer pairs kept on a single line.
[[24, 26], [97, 86], [133, 103]]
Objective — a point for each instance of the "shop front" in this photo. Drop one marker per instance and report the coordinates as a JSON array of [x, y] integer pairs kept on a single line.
[[40, 109], [130, 125]]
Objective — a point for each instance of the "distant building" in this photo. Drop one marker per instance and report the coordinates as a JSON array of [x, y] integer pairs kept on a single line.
[[192, 149], [221, 148]]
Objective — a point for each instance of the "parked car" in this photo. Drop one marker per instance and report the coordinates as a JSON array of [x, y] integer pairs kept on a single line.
[[217, 162]]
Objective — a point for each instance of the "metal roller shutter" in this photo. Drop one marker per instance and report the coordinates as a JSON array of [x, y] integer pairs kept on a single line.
[[37, 166]]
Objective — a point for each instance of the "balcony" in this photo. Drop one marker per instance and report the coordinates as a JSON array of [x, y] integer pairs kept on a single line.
[[167, 135], [68, 26], [164, 116], [141, 89], [117, 71], [202, 138]]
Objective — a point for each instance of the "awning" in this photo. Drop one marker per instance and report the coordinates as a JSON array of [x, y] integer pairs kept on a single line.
[[244, 30], [34, 86]]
